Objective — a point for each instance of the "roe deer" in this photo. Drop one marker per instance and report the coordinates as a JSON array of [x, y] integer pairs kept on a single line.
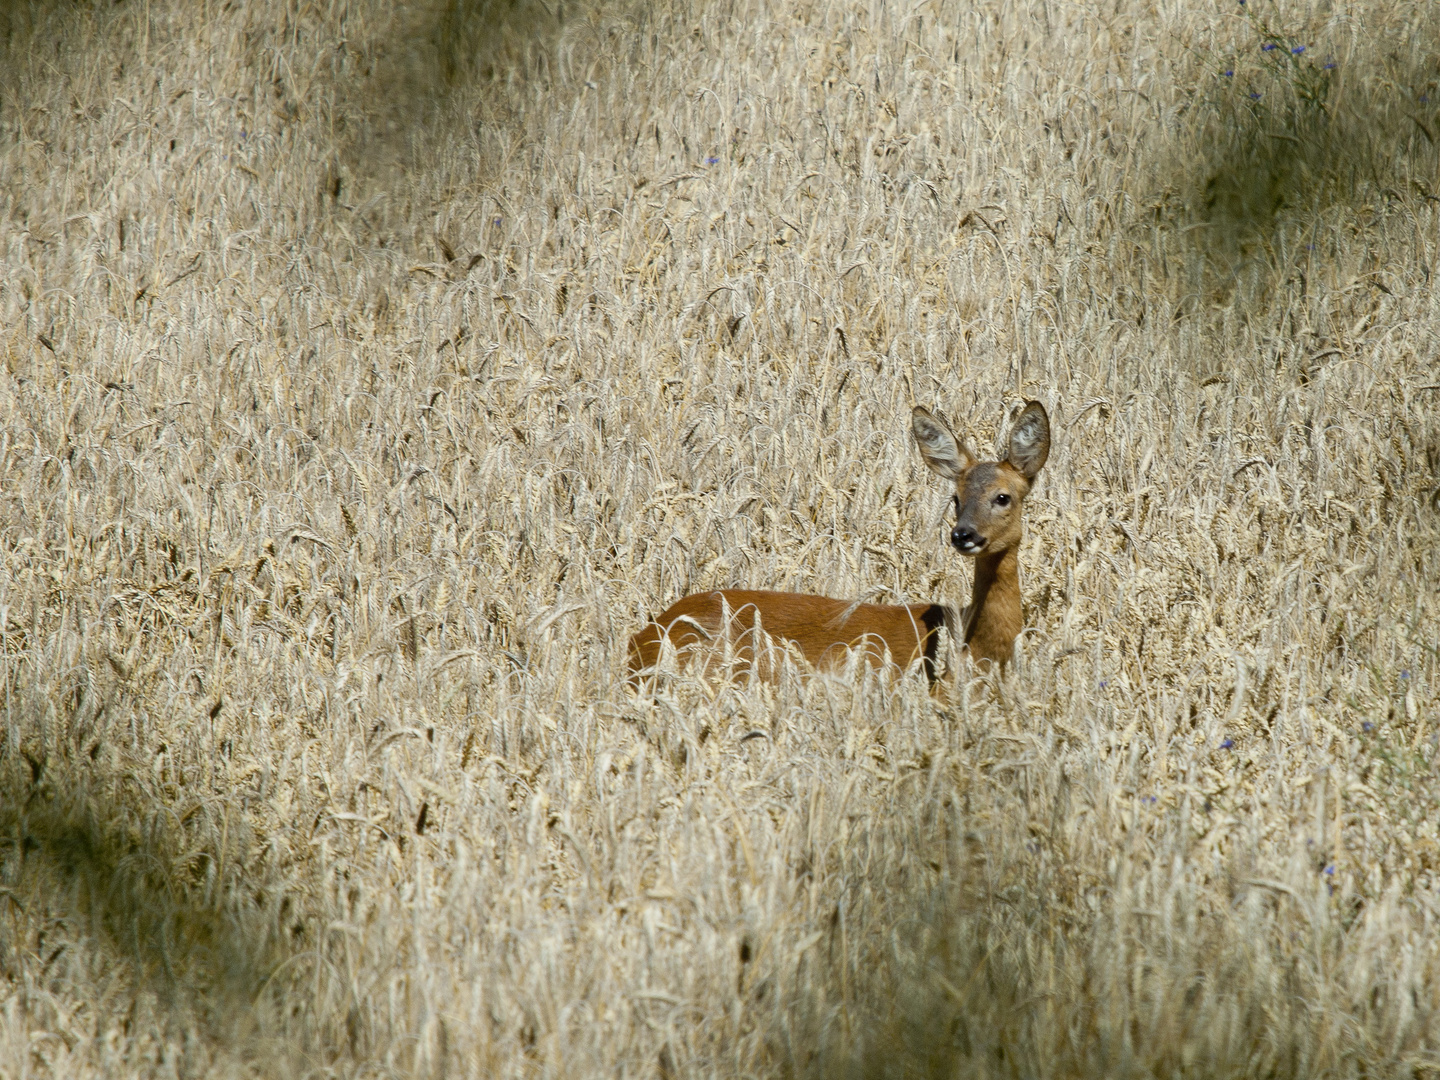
[[989, 496]]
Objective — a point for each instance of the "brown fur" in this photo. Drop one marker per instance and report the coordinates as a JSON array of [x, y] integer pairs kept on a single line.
[[989, 497], [990, 501], [823, 629], [993, 619]]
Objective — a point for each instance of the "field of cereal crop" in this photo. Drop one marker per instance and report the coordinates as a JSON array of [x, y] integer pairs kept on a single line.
[[372, 371]]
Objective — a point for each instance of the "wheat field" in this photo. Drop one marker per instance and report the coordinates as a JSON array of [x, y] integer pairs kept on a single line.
[[372, 371]]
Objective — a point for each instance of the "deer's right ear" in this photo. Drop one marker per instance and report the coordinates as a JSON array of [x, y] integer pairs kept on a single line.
[[944, 453]]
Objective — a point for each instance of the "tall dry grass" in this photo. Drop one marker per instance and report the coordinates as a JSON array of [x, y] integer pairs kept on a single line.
[[370, 375]]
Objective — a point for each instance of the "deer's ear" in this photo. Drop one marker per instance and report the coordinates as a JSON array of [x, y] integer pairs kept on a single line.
[[1030, 440], [944, 453]]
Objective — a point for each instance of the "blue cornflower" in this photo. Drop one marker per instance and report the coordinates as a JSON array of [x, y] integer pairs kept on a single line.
[[1298, 49], [1269, 46], [1227, 744], [1405, 674], [1254, 95], [1330, 870], [1229, 74], [711, 160], [1330, 66], [1367, 726]]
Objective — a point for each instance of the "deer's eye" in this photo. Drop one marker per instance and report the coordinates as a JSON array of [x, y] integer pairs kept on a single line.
[[1002, 499]]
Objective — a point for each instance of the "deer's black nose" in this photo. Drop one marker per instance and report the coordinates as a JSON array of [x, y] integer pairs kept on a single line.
[[966, 540]]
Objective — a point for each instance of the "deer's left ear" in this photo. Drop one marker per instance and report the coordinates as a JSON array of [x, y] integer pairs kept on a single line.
[[1030, 440]]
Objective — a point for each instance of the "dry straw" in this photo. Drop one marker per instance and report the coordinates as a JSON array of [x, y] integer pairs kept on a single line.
[[371, 375]]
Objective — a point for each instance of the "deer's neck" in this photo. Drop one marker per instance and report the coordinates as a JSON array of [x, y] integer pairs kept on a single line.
[[994, 617]]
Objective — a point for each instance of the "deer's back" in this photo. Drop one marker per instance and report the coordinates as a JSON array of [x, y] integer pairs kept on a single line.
[[823, 628]]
